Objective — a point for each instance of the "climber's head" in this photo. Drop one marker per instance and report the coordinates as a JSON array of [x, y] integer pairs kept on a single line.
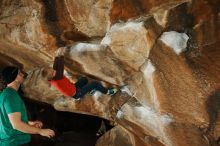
[[12, 73], [48, 73]]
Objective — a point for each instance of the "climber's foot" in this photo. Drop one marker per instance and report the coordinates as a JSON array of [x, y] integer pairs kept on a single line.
[[75, 98], [92, 92], [112, 91]]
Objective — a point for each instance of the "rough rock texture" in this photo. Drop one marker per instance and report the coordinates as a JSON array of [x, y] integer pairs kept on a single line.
[[167, 98]]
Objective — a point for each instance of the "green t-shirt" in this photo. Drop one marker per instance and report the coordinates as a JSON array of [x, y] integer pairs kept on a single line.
[[11, 102]]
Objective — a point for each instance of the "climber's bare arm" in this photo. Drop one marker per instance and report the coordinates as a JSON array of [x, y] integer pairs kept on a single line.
[[58, 65]]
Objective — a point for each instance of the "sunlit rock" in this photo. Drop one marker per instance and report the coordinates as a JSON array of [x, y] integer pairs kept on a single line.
[[144, 116], [119, 136], [98, 61], [91, 17], [161, 17], [28, 31], [130, 42], [177, 41], [130, 37]]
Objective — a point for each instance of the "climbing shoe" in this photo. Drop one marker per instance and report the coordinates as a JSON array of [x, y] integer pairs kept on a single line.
[[112, 91], [92, 92], [76, 98]]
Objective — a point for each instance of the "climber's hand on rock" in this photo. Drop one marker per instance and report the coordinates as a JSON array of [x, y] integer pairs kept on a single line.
[[37, 124], [60, 51], [47, 133]]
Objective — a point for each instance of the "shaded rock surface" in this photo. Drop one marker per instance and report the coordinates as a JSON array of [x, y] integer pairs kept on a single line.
[[71, 130], [168, 98]]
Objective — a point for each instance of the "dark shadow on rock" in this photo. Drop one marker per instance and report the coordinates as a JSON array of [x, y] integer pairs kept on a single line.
[[213, 107], [71, 129], [75, 36], [50, 15]]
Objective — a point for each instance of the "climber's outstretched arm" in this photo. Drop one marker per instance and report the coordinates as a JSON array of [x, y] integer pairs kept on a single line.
[[58, 65]]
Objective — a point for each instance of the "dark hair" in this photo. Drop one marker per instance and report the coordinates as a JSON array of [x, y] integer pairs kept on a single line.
[[10, 73], [3, 84], [46, 71]]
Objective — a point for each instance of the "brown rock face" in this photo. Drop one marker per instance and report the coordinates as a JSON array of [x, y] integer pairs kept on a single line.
[[163, 55]]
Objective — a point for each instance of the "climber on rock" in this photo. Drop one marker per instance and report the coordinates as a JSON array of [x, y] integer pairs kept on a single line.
[[15, 129], [66, 87]]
